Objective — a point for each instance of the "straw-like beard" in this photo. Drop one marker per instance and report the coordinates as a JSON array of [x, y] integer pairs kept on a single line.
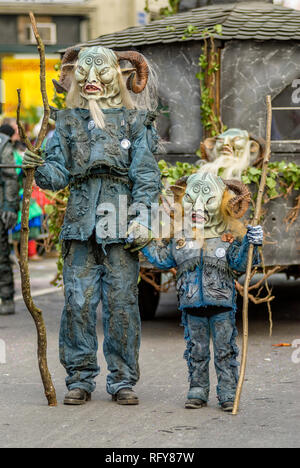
[[232, 167], [96, 113]]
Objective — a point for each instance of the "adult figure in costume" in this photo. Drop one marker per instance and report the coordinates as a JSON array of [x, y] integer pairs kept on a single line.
[[103, 149]]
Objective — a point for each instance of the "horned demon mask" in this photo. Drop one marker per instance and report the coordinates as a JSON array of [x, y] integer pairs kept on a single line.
[[93, 79], [210, 201]]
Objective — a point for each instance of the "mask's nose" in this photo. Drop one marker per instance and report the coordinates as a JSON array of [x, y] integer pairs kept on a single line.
[[227, 142], [92, 78], [199, 205]]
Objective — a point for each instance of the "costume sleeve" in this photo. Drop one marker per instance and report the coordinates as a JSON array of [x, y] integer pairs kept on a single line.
[[53, 175], [237, 255], [10, 181], [160, 255], [144, 171]]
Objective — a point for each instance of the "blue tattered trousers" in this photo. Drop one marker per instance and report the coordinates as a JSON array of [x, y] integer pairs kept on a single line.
[[91, 276], [222, 329]]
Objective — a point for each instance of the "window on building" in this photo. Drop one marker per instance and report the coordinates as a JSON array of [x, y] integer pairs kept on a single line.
[[47, 31], [286, 114], [46, 27]]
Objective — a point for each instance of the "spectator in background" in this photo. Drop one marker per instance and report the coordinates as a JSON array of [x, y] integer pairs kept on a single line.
[[9, 205], [15, 138]]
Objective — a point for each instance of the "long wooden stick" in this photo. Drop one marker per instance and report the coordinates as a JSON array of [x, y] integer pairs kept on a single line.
[[35, 312], [256, 220]]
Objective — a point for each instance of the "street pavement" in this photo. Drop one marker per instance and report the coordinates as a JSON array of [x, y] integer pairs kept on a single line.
[[270, 406]]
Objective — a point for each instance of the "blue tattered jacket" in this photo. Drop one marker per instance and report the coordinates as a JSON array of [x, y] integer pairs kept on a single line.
[[101, 171], [206, 276]]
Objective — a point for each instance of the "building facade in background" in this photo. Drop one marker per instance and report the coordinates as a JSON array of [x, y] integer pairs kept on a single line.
[[115, 15], [61, 23]]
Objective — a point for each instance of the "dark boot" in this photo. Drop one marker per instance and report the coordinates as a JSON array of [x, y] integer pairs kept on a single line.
[[227, 407], [126, 396], [195, 403], [77, 396], [7, 307]]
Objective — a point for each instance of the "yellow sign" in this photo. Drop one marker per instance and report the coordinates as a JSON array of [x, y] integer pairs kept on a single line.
[[25, 74]]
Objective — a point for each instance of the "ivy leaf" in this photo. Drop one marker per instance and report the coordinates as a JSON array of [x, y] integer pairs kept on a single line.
[[218, 28], [271, 183]]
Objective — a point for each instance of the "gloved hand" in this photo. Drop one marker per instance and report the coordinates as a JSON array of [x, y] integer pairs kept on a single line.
[[32, 160], [255, 235], [9, 219], [138, 236]]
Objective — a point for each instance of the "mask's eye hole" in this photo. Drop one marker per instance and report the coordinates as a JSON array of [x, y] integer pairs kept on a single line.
[[81, 70], [239, 142], [103, 72], [187, 198], [210, 200]]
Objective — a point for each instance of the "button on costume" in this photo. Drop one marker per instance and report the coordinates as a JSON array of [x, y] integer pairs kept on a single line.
[[206, 278], [105, 155]]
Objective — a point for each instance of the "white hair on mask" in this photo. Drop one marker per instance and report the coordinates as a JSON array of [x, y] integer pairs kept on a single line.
[[148, 98], [126, 98], [74, 99], [232, 167]]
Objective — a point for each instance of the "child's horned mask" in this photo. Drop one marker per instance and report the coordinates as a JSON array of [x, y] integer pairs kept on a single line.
[[202, 195], [203, 198]]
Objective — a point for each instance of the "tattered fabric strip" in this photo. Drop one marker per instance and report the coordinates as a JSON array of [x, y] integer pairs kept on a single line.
[[191, 264]]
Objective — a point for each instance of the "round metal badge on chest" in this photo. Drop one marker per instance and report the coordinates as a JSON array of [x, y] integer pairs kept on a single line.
[[91, 125], [220, 252], [125, 143]]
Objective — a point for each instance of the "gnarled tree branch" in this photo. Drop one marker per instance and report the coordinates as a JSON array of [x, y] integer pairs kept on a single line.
[[35, 312]]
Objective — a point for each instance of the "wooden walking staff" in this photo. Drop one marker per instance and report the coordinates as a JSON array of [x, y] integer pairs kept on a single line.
[[36, 313], [256, 220]]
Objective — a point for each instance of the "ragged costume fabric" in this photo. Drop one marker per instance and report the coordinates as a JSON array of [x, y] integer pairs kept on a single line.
[[91, 276], [9, 201], [98, 170], [206, 279]]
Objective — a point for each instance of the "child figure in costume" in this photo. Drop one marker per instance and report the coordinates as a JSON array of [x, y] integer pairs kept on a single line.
[[207, 264], [102, 149]]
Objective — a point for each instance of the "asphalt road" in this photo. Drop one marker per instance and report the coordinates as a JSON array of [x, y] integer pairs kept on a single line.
[[270, 406]]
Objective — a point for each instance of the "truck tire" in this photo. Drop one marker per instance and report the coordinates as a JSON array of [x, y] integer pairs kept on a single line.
[[148, 298]]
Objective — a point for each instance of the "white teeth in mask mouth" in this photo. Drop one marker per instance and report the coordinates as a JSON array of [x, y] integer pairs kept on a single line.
[[198, 218], [227, 152], [92, 89]]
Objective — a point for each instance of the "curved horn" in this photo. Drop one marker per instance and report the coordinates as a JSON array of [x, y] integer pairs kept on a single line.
[[240, 203], [68, 61], [262, 144], [137, 81], [260, 141]]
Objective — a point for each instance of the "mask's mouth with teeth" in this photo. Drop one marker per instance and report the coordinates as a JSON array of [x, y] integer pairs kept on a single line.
[[91, 89], [198, 217], [227, 151]]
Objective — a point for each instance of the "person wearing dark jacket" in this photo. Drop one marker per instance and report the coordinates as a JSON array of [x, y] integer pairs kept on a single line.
[[9, 205]]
